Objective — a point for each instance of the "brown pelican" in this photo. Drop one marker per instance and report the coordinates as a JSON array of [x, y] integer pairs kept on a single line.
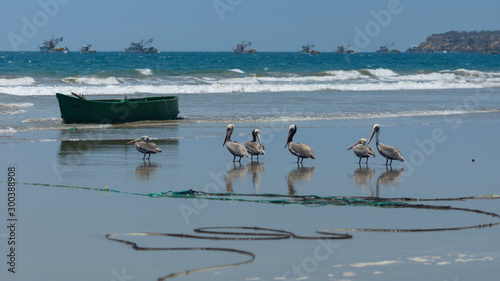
[[298, 149], [146, 146], [254, 147], [236, 148], [389, 152], [362, 150]]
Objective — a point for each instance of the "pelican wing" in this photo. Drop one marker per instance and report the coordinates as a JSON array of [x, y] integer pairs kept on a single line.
[[255, 148], [301, 150], [363, 151], [147, 147], [389, 152], [237, 149]]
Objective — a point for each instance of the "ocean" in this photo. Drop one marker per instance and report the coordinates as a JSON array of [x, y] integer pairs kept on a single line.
[[223, 87], [76, 183]]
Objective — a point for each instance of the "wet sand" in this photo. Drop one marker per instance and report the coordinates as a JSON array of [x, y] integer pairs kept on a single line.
[[61, 231]]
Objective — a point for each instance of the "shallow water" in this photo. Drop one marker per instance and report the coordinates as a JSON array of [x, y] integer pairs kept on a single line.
[[61, 230]]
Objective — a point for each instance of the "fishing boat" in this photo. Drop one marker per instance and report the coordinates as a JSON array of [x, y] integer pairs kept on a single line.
[[78, 109], [49, 46], [341, 49], [86, 49], [307, 49], [385, 49], [140, 47], [241, 48]]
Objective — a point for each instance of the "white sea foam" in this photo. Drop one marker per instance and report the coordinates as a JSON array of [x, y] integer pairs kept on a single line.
[[20, 81], [378, 263], [92, 80], [345, 74], [16, 105], [145, 71], [382, 72], [237, 70], [379, 115], [41, 120], [14, 112], [239, 88], [7, 131], [335, 80]]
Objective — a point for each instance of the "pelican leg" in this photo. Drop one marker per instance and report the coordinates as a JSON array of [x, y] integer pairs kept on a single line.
[[144, 157], [359, 161], [234, 158], [367, 160], [390, 164], [386, 161]]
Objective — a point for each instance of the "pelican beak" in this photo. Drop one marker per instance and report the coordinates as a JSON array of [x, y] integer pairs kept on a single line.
[[354, 145], [225, 138], [134, 141], [258, 136], [371, 136], [289, 136]]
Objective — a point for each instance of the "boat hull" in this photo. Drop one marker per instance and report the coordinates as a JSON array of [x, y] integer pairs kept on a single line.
[[76, 110]]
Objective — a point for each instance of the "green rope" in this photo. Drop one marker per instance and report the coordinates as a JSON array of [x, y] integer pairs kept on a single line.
[[272, 198]]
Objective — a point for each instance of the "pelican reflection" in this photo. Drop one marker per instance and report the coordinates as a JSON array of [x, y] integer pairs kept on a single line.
[[389, 178], [237, 172], [146, 170], [256, 169], [362, 176], [299, 175]]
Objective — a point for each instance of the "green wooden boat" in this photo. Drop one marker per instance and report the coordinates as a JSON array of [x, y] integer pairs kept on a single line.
[[78, 109]]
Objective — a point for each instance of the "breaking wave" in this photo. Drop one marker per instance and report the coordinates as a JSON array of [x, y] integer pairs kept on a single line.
[[145, 71], [92, 80], [380, 79], [15, 105], [20, 81]]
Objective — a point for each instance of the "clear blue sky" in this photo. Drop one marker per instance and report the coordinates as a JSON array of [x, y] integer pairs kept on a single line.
[[217, 25]]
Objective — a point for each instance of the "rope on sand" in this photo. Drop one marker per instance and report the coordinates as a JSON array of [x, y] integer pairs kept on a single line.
[[258, 233], [244, 233]]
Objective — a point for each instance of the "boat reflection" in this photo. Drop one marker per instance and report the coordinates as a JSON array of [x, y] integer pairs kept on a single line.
[[75, 156], [300, 175], [80, 148], [389, 178]]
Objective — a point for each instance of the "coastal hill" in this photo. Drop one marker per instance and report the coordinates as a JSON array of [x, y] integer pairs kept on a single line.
[[461, 42]]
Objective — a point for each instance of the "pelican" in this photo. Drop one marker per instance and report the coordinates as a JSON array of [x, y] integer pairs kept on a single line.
[[146, 146], [298, 149], [389, 152], [236, 148], [362, 150], [254, 147]]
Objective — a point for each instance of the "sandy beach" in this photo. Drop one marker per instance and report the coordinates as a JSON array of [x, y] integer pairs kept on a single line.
[[61, 231]]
